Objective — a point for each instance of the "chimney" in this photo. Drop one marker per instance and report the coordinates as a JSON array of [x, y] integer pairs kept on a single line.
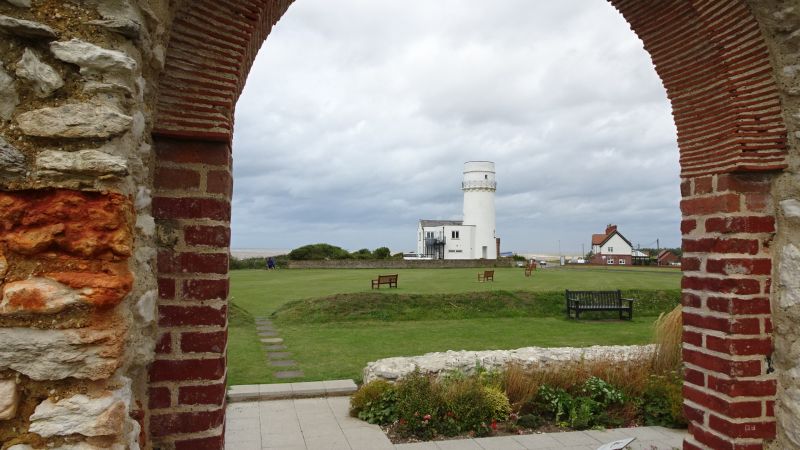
[[610, 229]]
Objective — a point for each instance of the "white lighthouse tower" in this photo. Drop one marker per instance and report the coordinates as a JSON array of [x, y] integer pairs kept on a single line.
[[479, 186]]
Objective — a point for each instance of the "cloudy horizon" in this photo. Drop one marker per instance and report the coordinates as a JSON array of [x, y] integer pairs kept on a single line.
[[358, 115]]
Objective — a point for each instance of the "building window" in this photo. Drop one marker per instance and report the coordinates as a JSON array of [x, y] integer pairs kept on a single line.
[[610, 261], [610, 249], [454, 234], [429, 234], [622, 261]]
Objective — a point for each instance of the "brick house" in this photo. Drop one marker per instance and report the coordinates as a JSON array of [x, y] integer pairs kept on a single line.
[[667, 258], [611, 248]]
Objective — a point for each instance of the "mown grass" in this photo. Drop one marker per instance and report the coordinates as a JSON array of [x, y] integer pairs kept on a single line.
[[341, 325]]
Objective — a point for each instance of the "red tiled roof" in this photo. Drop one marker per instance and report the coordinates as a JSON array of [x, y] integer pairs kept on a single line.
[[597, 239]]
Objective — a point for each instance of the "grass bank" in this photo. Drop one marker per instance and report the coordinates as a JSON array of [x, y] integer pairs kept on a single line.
[[341, 324]]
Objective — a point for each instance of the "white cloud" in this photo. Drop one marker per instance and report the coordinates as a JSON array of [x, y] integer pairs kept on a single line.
[[358, 115]]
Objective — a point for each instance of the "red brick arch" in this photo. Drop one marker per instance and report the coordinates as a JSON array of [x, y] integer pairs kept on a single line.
[[714, 62]]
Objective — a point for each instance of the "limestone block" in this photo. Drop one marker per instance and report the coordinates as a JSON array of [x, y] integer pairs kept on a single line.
[[146, 307], [790, 282], [125, 27], [791, 208], [9, 398], [91, 58], [79, 120], [20, 3], [25, 28], [52, 163], [9, 99], [45, 79], [37, 295], [790, 419], [58, 354], [436, 363], [12, 161], [79, 414]]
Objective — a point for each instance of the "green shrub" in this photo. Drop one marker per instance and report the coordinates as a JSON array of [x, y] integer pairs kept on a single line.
[[602, 392], [368, 393], [530, 421], [381, 411], [419, 404], [553, 403], [662, 402]]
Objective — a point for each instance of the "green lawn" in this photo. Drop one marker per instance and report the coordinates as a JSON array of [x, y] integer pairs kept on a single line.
[[340, 349]]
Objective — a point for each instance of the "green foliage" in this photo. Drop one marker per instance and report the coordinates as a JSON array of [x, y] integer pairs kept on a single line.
[[256, 262], [382, 253], [318, 252], [602, 392], [364, 253], [662, 402], [419, 402], [530, 421], [375, 402], [588, 407]]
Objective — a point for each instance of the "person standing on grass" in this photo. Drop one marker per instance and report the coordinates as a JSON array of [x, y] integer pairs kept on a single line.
[[270, 263]]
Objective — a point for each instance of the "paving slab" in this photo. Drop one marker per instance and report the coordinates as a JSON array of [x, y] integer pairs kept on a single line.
[[275, 391], [287, 374], [537, 441], [271, 333], [283, 363], [279, 355], [243, 392], [308, 389], [340, 387], [575, 438], [274, 340], [274, 347], [499, 443]]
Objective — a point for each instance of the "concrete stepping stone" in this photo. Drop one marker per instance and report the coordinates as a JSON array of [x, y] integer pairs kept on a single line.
[[268, 333], [276, 347], [275, 340], [279, 355], [289, 374], [283, 363], [265, 328]]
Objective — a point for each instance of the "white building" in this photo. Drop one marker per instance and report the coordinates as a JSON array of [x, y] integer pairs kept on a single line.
[[475, 236]]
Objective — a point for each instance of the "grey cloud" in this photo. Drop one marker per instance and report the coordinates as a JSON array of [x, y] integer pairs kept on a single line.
[[358, 115]]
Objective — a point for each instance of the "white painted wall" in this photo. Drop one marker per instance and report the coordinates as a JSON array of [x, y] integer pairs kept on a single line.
[[616, 246], [479, 185]]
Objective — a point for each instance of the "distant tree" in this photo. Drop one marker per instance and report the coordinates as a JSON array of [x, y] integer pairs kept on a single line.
[[364, 253], [319, 252], [382, 253]]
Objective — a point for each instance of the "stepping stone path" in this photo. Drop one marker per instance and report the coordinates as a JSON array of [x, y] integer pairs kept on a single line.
[[277, 356]]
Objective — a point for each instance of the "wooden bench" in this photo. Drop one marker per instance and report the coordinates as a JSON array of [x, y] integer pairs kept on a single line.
[[598, 301], [487, 275], [529, 269], [391, 280]]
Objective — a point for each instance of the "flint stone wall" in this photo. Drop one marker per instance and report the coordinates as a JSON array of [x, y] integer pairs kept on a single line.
[[393, 369]]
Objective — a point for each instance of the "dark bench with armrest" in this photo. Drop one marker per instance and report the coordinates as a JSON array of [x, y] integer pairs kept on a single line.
[[391, 280], [578, 301]]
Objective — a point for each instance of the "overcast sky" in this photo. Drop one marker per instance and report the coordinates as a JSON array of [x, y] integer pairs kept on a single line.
[[359, 114]]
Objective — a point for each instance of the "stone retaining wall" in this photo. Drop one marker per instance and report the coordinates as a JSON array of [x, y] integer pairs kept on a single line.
[[393, 369], [400, 264]]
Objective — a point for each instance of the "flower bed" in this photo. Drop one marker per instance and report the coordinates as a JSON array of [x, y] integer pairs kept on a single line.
[[517, 400]]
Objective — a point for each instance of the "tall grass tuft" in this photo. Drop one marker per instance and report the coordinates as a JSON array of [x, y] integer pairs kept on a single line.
[[668, 337]]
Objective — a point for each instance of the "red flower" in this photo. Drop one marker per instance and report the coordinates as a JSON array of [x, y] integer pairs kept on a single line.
[[427, 417], [494, 425]]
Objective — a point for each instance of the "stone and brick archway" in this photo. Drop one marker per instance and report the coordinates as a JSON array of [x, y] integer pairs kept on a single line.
[[156, 83]]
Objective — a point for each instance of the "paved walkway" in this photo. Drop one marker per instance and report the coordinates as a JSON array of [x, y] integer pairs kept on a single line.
[[324, 424]]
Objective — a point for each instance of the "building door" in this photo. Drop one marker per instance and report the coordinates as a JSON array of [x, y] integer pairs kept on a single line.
[[484, 252]]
